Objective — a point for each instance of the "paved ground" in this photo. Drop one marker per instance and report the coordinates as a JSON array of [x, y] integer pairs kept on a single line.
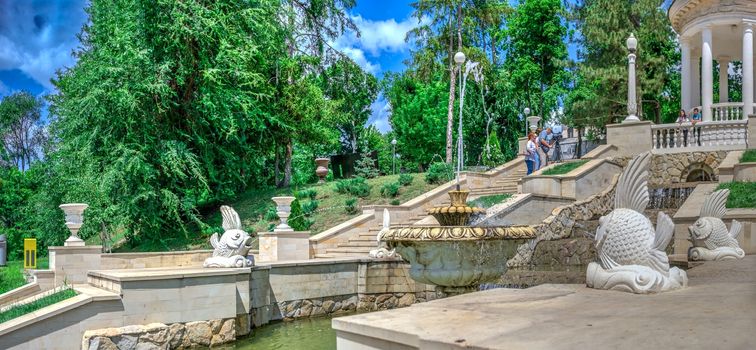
[[716, 311]]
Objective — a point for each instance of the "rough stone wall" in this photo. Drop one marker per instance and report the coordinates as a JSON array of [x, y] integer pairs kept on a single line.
[[162, 336], [673, 168], [561, 223]]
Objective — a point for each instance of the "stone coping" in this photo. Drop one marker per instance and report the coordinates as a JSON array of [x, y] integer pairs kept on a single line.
[[572, 316], [87, 294], [313, 262], [162, 273], [642, 123], [21, 292], [599, 151], [90, 249], [150, 254], [288, 234], [730, 160]]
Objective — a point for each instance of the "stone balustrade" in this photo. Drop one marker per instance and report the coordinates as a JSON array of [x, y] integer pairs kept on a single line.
[[717, 135], [727, 111]]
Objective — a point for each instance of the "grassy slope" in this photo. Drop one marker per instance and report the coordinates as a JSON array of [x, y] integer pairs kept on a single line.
[[564, 168], [253, 205], [748, 156], [742, 194], [12, 276], [20, 310]]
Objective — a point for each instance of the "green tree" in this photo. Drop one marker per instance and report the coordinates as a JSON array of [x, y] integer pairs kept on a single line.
[[22, 135], [158, 115], [354, 90], [604, 26], [537, 54]]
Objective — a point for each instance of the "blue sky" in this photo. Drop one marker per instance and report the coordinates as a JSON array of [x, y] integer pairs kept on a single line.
[[38, 36]]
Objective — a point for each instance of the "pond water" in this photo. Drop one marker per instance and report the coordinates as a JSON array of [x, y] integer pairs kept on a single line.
[[309, 334]]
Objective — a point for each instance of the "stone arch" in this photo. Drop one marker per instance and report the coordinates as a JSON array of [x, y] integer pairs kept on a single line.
[[697, 172]]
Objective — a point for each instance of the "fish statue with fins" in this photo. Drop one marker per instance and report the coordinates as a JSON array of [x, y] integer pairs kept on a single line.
[[382, 252], [232, 247], [631, 253], [709, 235]]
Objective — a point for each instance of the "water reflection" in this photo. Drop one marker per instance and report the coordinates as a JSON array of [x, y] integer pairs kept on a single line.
[[304, 334]]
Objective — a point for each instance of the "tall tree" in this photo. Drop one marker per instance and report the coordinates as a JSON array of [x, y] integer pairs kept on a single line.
[[161, 111], [22, 134], [354, 90], [604, 26], [537, 53]]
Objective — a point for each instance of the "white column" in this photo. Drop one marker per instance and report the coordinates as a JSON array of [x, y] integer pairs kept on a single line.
[[747, 68], [707, 74], [724, 65], [686, 88], [695, 87]]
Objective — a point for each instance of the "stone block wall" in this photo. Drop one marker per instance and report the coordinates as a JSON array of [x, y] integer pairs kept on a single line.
[[162, 336], [71, 264], [193, 258]]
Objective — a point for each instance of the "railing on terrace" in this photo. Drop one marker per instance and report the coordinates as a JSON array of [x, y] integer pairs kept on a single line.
[[717, 135], [727, 111]]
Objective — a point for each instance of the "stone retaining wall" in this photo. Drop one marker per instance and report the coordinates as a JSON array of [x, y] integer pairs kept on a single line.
[[162, 336]]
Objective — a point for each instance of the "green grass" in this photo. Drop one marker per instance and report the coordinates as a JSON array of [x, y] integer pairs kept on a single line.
[[564, 168], [489, 201], [20, 310], [253, 205], [748, 156], [12, 275], [742, 194]]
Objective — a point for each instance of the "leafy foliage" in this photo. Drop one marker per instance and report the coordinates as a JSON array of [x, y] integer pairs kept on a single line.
[[439, 173], [390, 190], [356, 186], [297, 218], [365, 167], [405, 179], [351, 206]]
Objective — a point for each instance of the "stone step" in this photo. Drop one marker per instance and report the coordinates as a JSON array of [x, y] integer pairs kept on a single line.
[[352, 251], [370, 244]]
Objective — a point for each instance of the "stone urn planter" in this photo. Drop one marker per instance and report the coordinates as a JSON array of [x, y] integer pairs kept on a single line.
[[74, 219], [322, 168], [283, 209], [533, 122]]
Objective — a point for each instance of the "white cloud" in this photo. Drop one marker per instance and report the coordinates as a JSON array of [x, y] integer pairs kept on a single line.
[[37, 37], [377, 36], [4, 89], [359, 57], [381, 110]]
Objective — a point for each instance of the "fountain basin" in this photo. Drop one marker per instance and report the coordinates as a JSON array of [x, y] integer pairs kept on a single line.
[[457, 256]]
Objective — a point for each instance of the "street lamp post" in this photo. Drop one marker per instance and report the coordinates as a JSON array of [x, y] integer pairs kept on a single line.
[[459, 58], [393, 159], [526, 111], [632, 105]]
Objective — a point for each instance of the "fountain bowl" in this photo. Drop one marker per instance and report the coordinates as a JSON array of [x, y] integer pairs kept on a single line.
[[457, 256]]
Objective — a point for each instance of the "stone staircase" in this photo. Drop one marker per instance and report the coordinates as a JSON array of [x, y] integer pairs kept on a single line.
[[361, 245]]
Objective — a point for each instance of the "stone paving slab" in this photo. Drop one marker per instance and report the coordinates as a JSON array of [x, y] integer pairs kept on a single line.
[[716, 311]]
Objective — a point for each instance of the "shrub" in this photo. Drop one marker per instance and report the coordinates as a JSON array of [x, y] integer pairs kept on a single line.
[[270, 215], [310, 193], [365, 167], [405, 179], [297, 219], [748, 156], [310, 207], [390, 189], [357, 187], [351, 206], [395, 202], [439, 173]]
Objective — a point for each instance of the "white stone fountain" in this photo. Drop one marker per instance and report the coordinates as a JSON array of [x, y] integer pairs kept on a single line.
[[232, 247], [631, 253]]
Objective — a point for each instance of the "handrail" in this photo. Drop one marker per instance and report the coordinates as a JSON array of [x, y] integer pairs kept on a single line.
[[717, 134]]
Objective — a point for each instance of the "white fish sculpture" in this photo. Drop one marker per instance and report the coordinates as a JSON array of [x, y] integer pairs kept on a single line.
[[382, 252], [631, 253], [709, 235], [232, 247]]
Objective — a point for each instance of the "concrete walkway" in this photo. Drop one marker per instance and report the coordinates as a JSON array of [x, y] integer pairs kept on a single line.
[[716, 311]]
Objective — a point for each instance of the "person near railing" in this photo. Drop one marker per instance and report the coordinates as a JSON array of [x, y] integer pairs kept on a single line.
[[696, 118], [531, 154], [683, 118], [544, 141]]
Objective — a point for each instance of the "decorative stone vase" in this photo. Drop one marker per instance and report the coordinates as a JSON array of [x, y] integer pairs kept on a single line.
[[74, 219], [533, 122], [322, 169], [283, 209]]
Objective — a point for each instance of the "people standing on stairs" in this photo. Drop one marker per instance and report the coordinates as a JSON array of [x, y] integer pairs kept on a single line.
[[544, 143], [531, 154]]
